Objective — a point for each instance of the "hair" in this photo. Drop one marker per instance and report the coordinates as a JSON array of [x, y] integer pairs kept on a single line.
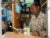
[[25, 5], [9, 5], [36, 4]]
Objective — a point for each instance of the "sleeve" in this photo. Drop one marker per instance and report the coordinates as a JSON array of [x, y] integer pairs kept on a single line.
[[30, 25], [44, 33], [45, 23], [31, 21]]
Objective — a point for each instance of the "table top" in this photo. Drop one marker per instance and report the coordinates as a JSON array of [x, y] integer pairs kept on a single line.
[[18, 35]]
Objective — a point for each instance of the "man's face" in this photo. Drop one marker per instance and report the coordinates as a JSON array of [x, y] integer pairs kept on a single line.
[[9, 8], [34, 9]]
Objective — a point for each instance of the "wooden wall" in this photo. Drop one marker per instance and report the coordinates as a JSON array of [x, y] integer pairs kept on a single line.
[[15, 15]]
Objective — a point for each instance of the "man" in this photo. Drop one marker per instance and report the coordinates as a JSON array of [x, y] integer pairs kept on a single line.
[[9, 16], [38, 21], [9, 12], [18, 6]]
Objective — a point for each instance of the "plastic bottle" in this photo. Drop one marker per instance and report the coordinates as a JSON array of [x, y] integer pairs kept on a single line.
[[28, 30], [25, 29]]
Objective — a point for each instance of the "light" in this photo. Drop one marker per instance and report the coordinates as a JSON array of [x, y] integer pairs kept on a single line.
[[29, 1], [21, 0]]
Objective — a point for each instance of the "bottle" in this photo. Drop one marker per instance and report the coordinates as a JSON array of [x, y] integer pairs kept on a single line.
[[28, 30], [25, 29]]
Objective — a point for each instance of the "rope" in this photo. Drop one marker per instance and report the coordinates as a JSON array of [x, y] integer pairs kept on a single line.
[[44, 4]]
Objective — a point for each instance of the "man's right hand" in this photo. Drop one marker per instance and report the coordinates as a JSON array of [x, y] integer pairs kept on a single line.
[[35, 33]]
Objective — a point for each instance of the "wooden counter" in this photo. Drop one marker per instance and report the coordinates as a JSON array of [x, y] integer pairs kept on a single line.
[[20, 35]]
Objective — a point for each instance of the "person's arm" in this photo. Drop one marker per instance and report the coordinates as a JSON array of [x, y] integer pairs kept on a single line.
[[34, 32], [45, 23], [44, 33], [30, 23]]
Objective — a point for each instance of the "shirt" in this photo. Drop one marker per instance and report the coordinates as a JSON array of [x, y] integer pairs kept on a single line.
[[4, 11], [9, 14], [18, 8], [39, 24]]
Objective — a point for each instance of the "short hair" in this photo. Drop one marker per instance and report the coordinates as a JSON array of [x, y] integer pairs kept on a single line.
[[10, 4], [25, 5], [36, 4]]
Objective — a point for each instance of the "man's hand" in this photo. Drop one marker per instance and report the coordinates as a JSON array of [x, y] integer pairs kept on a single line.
[[19, 30], [35, 33]]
